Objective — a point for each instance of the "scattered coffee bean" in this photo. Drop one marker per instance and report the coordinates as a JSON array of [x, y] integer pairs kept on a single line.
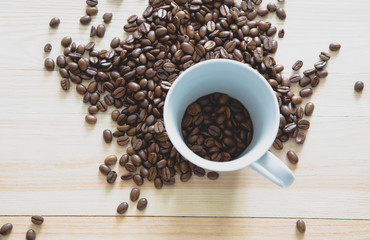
[[92, 31], [54, 22], [111, 177], [6, 229], [280, 12], [301, 137], [91, 11], [297, 65], [322, 73], [85, 20], [104, 169], [281, 33], [324, 56], [212, 175], [134, 194], [334, 47], [38, 220], [110, 160], [309, 72], [123, 160], [122, 208], [301, 226], [303, 124], [100, 30], [92, 3], [292, 157], [271, 7], [90, 119], [49, 64], [142, 203], [31, 235], [123, 140], [107, 17], [48, 47], [359, 86], [93, 109], [309, 108], [65, 84], [306, 92], [107, 136], [66, 41]]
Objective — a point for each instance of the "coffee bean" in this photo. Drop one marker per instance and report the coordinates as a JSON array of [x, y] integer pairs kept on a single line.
[[137, 179], [306, 92], [142, 203], [47, 48], [278, 145], [324, 56], [281, 33], [93, 109], [359, 86], [91, 11], [301, 137], [122, 207], [305, 81], [92, 31], [299, 112], [134, 194], [158, 183], [297, 65], [334, 47], [127, 176], [320, 64], [54, 22], [315, 81], [92, 3], [130, 167], [111, 177], [309, 108], [297, 100], [6, 229], [292, 157], [107, 17], [123, 140], [85, 20], [38, 220], [100, 30], [31, 235], [280, 12], [309, 72], [295, 78], [90, 119], [322, 73], [212, 175], [66, 41], [301, 226], [303, 124], [49, 64], [271, 7], [107, 136], [262, 11], [104, 169], [110, 160], [115, 114], [65, 84]]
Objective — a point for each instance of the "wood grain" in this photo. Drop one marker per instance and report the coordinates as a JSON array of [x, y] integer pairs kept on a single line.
[[184, 228], [49, 156]]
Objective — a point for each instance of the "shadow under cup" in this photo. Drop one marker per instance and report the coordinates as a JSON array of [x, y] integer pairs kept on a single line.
[[238, 81]]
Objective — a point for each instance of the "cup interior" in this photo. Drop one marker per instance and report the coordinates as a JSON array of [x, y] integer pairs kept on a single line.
[[238, 81]]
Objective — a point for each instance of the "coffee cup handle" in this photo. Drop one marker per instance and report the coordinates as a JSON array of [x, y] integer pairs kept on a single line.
[[274, 170]]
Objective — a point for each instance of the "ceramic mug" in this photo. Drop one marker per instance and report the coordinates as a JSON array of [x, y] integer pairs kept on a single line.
[[245, 84]]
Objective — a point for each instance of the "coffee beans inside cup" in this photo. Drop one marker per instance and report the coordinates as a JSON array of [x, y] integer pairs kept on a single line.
[[217, 127]]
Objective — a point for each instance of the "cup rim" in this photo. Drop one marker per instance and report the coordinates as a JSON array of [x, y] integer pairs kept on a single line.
[[239, 162]]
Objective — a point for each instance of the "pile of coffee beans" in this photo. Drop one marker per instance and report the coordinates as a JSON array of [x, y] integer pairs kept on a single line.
[[217, 127]]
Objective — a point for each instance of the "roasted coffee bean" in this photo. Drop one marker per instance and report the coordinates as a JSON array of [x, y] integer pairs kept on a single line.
[[309, 72], [320, 64], [137, 179], [295, 78], [296, 100], [47, 48], [292, 157], [92, 32], [90, 119], [130, 167], [301, 226], [49, 64], [61, 62], [92, 3], [200, 172], [297, 65], [142, 203], [123, 160], [91, 11], [212, 175], [305, 81], [281, 33], [359, 86], [309, 108], [38, 220], [107, 136], [315, 81], [299, 112], [100, 30], [303, 124], [6, 229], [111, 177], [301, 137], [93, 109], [334, 47], [104, 169], [271, 7], [110, 160], [123, 140], [322, 73], [115, 114], [31, 235], [66, 41], [85, 20], [54, 22], [134, 194], [158, 183], [324, 56], [127, 176], [107, 17], [280, 12], [65, 84], [278, 145], [306, 92], [122, 208]]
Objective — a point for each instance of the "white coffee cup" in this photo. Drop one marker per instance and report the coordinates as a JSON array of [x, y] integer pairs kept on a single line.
[[245, 84]]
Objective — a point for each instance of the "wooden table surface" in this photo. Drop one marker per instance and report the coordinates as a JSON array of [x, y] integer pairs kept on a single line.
[[49, 156]]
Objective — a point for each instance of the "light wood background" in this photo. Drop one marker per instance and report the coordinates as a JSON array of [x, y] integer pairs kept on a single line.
[[49, 156]]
